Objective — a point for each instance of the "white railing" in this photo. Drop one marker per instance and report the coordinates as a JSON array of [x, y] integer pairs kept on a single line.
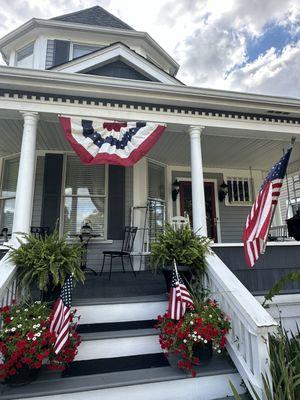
[[8, 281], [248, 343]]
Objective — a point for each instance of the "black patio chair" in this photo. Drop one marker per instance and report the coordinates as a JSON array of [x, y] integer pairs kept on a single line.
[[127, 245], [40, 231]]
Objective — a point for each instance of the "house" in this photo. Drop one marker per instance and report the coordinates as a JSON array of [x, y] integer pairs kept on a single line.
[[92, 65]]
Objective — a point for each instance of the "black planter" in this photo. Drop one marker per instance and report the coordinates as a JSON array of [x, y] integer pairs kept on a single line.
[[52, 293], [185, 273], [24, 376], [204, 352]]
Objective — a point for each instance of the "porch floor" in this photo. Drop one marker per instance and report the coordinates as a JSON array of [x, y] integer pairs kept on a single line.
[[122, 285]]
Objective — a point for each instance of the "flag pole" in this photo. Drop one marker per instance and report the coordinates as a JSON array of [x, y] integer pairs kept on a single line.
[[176, 270]]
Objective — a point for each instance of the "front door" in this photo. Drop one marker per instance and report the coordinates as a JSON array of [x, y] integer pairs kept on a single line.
[[185, 191]]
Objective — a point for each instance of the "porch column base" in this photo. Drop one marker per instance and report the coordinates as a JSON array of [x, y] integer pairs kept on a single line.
[[25, 183], [198, 198]]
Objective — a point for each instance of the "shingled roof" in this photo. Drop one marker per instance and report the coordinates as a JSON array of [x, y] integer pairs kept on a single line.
[[94, 16]]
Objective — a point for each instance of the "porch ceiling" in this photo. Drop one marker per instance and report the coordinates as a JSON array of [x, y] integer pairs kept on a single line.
[[221, 148]]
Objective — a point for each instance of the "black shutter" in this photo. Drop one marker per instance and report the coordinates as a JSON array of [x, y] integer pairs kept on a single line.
[[61, 52], [116, 202], [52, 190]]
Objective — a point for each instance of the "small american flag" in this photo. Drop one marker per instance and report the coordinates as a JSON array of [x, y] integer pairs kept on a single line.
[[180, 298], [61, 316], [259, 220]]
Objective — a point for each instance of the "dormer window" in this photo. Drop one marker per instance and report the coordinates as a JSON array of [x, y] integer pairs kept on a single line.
[[78, 50], [24, 56]]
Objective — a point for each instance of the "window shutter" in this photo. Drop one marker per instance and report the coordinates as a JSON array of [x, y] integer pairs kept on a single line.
[[61, 51], [156, 181], [116, 202], [10, 177]]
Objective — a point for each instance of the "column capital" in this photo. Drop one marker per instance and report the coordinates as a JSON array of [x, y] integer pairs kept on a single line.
[[30, 115], [195, 131]]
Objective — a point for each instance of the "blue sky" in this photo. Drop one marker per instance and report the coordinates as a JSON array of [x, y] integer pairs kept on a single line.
[[241, 45]]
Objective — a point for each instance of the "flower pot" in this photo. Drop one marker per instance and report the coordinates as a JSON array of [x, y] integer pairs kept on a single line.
[[185, 273], [52, 293], [24, 376], [204, 352]]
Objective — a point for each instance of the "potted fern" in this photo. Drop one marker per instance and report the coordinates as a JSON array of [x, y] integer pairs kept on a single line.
[[46, 263], [188, 249]]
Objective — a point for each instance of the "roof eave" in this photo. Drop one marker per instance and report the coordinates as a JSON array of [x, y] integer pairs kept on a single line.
[[36, 22]]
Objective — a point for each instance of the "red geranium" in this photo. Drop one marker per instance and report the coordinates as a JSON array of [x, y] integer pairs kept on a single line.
[[25, 339]]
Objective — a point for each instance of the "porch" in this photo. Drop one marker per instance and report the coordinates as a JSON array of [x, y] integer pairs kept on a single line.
[[66, 193]]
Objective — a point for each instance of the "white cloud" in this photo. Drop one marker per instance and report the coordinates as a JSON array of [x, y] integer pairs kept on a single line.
[[207, 37]]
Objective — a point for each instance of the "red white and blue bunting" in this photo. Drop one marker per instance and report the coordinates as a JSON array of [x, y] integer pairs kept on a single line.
[[107, 142]]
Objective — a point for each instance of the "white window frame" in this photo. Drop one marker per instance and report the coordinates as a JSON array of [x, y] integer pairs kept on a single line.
[[62, 200], [239, 203], [2, 199], [23, 48], [72, 44]]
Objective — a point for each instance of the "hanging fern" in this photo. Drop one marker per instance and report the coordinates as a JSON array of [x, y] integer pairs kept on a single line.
[[47, 261]]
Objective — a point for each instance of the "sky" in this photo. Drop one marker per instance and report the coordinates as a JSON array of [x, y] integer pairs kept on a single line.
[[240, 45]]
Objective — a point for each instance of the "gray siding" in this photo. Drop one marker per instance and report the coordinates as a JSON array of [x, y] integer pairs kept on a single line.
[[271, 266], [49, 54], [232, 218], [38, 192]]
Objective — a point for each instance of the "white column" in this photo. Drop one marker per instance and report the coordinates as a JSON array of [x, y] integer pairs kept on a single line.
[[25, 185], [198, 199]]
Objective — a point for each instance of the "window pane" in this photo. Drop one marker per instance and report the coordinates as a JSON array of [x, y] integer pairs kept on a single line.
[[241, 191], [235, 191], [25, 57], [229, 183], [84, 180], [246, 189], [156, 176], [10, 177], [8, 214], [82, 49], [156, 218], [79, 209]]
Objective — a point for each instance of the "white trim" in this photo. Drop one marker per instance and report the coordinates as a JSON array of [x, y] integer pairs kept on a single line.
[[112, 53], [215, 182]]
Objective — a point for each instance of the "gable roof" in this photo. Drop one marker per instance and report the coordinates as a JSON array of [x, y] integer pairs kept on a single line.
[[94, 16], [117, 51]]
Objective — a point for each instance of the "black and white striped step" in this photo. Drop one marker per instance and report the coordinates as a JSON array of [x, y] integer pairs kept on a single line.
[[121, 339], [134, 378]]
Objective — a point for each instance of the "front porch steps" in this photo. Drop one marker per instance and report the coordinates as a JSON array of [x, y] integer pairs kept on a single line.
[[120, 358]]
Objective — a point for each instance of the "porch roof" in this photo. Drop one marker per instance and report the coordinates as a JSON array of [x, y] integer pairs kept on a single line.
[[221, 148]]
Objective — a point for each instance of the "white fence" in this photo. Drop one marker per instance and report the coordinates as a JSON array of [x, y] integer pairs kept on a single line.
[[248, 341]]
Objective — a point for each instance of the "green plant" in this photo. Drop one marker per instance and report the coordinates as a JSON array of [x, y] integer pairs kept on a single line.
[[183, 245], [279, 285], [284, 368], [47, 261], [26, 339]]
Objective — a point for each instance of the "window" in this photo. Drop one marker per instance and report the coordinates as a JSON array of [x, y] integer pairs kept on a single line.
[[8, 192], [84, 197], [83, 49], [24, 57], [156, 199], [239, 191]]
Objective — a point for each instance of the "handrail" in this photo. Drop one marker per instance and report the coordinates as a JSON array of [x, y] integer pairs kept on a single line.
[[8, 281], [248, 341]]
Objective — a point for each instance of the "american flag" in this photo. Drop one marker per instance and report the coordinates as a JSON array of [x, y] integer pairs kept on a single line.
[[259, 220], [61, 316], [180, 298]]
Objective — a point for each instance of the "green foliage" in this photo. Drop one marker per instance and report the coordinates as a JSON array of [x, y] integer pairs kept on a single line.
[[279, 285], [183, 245], [47, 261], [284, 368]]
